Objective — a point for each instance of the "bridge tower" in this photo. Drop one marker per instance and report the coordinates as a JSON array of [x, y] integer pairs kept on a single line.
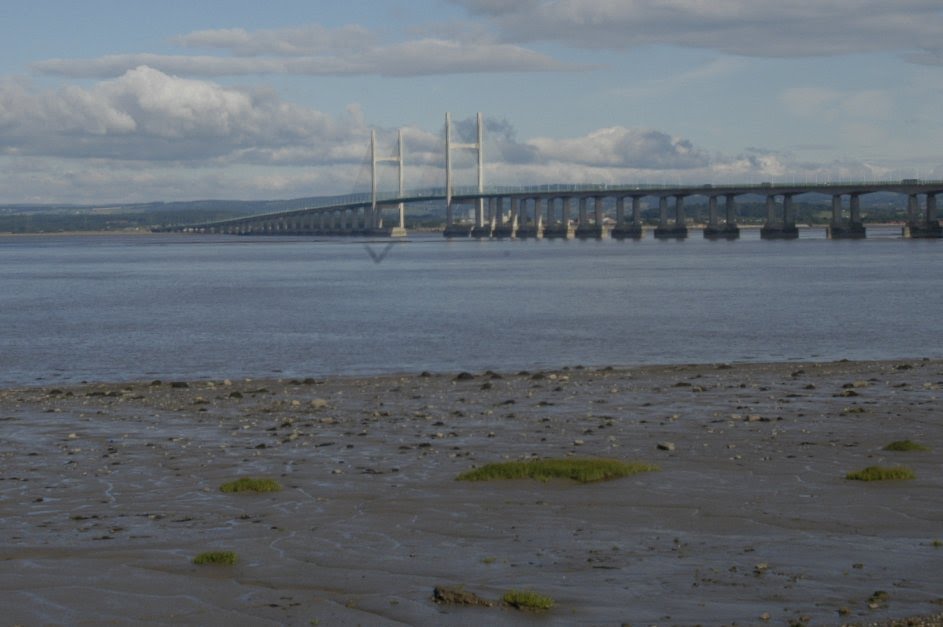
[[451, 228], [373, 223]]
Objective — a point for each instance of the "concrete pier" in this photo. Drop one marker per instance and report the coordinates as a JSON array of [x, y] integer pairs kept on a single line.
[[776, 228], [627, 231], [591, 231], [481, 232], [595, 228], [530, 229], [922, 225], [458, 229], [558, 229], [504, 226], [922, 231], [852, 228], [667, 229], [483, 218], [727, 229], [623, 228]]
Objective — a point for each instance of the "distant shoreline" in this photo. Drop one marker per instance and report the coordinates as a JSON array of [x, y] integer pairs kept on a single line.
[[76, 233]]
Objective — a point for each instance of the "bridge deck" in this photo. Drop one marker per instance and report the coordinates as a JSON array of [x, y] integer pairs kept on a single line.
[[333, 217]]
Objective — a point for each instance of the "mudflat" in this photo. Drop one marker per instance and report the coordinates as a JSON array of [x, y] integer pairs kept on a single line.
[[108, 492]]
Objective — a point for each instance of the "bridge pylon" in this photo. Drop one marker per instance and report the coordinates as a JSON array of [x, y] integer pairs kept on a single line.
[[374, 219], [479, 229]]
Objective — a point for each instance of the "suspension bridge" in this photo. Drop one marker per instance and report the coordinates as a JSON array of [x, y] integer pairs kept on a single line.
[[580, 211]]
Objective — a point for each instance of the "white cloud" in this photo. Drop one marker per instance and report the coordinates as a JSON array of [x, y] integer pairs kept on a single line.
[[623, 147], [766, 28], [149, 115], [307, 40], [147, 135], [315, 51]]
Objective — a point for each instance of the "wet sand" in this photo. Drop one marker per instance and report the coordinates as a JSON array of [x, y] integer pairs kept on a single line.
[[107, 492]]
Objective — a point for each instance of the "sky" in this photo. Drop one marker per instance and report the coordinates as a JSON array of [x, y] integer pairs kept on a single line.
[[122, 101]]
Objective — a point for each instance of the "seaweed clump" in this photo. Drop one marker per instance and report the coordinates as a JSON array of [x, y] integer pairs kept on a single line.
[[580, 470], [249, 484], [882, 473]]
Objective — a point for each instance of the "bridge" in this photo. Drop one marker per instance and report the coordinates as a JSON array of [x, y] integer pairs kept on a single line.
[[581, 211]]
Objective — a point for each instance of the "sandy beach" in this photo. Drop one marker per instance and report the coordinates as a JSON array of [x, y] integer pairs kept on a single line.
[[108, 491]]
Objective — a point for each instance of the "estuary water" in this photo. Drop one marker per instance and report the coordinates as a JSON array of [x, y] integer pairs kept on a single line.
[[114, 307]]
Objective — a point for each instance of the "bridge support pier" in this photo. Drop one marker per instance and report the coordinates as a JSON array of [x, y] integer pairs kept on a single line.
[[624, 229], [925, 225], [503, 229], [376, 227], [633, 229], [457, 230], [839, 228], [779, 229], [526, 229], [594, 229], [558, 229], [507, 228], [482, 227], [453, 228], [727, 229], [671, 230]]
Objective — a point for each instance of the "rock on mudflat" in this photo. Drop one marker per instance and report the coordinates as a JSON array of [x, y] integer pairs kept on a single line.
[[458, 596]]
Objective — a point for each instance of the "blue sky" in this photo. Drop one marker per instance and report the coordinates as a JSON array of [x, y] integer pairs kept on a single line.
[[108, 101]]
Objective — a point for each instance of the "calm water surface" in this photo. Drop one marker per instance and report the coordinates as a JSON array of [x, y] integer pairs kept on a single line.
[[174, 306]]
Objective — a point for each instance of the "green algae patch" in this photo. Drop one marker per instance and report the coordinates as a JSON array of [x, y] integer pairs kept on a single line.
[[906, 446], [248, 484], [222, 558], [581, 470], [527, 600], [882, 473]]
